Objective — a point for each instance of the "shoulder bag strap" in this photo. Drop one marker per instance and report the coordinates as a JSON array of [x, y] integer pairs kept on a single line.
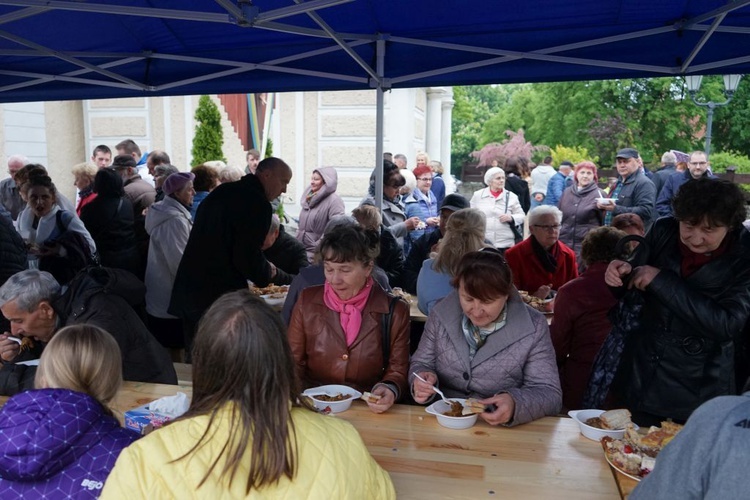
[[387, 331]]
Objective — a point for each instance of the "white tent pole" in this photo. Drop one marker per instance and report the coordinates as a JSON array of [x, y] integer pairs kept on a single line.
[[379, 102]]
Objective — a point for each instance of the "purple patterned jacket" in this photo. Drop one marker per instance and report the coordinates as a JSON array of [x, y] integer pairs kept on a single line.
[[57, 443]]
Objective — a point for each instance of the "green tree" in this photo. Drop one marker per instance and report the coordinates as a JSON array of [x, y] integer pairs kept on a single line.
[[208, 137], [731, 129]]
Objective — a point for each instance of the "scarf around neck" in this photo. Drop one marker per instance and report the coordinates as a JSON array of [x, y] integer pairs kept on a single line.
[[350, 310], [547, 259]]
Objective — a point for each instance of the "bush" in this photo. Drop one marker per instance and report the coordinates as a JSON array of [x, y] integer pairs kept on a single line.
[[208, 137], [574, 155], [720, 162]]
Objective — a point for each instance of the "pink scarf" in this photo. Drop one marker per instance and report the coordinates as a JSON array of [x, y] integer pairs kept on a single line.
[[350, 311]]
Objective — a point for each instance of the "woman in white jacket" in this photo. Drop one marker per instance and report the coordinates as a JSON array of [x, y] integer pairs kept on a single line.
[[168, 224], [501, 207]]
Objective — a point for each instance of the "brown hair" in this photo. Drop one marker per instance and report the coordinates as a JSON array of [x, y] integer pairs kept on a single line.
[[368, 217], [241, 357], [83, 358], [624, 221], [485, 275], [464, 233], [206, 178], [599, 244], [349, 244]]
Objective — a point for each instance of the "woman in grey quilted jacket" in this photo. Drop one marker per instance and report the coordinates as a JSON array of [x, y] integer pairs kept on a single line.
[[482, 341]]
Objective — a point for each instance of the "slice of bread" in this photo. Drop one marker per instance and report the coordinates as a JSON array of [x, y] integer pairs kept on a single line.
[[615, 419]]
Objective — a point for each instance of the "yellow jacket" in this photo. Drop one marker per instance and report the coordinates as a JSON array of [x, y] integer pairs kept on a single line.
[[332, 462]]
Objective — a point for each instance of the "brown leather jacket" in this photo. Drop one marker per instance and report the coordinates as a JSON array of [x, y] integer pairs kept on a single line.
[[322, 356]]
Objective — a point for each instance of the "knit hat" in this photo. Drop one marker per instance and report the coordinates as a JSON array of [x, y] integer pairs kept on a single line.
[[177, 181]]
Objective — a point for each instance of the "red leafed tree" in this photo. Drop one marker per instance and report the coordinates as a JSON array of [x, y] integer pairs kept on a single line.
[[514, 145]]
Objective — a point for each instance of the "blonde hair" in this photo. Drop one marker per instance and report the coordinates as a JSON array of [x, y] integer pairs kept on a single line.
[[464, 233], [368, 217], [422, 154], [84, 170], [82, 358]]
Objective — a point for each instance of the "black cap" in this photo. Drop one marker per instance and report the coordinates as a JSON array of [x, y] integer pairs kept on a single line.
[[123, 161], [628, 153], [454, 202]]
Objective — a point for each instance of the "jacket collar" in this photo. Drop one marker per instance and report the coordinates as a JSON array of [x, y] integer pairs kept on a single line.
[[486, 193]]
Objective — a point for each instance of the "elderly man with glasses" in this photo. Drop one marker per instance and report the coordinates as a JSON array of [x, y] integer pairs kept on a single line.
[[697, 167], [542, 263]]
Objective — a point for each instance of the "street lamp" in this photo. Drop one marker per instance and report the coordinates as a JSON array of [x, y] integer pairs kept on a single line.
[[730, 86]]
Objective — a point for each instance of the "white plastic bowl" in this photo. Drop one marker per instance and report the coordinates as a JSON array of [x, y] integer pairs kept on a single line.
[[439, 407], [594, 433], [605, 201], [332, 390], [274, 299]]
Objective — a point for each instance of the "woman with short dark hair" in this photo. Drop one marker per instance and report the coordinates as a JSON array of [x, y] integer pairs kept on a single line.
[[688, 343], [206, 179], [246, 434], [581, 321], [483, 341], [336, 331], [109, 219]]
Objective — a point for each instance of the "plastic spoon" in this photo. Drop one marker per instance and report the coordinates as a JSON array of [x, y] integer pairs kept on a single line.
[[438, 391]]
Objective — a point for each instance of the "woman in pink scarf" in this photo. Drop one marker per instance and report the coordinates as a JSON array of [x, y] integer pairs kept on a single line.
[[336, 331]]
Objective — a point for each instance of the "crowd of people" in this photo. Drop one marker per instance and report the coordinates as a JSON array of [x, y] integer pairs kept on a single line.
[[648, 280]]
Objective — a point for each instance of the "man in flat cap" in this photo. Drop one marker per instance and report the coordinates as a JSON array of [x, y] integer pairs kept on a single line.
[[632, 193]]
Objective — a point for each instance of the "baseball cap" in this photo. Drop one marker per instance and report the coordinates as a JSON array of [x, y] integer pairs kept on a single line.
[[454, 202], [628, 153]]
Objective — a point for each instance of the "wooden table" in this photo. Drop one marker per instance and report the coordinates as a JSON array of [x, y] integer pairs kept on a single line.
[[543, 459]]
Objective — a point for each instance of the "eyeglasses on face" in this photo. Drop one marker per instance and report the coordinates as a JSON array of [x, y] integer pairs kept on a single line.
[[425, 179], [555, 227]]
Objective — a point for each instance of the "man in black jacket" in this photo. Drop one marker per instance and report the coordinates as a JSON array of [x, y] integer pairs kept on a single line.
[[224, 248], [12, 255], [37, 308], [285, 252], [421, 248]]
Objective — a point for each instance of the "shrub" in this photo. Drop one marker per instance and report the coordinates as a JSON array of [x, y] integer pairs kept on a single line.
[[208, 137], [720, 161], [574, 155]]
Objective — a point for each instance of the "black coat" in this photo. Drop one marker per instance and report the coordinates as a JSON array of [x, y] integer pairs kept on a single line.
[[105, 297], [288, 254], [391, 257], [520, 188], [109, 221], [12, 257], [683, 352], [418, 253], [224, 248]]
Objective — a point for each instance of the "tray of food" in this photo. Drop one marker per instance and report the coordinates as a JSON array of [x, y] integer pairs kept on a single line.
[[541, 305], [635, 454]]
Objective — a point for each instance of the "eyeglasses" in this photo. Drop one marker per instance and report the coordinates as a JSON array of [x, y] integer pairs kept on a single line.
[[555, 227], [699, 163], [425, 179]]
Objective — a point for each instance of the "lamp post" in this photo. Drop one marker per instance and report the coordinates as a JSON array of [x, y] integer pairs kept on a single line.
[[730, 86]]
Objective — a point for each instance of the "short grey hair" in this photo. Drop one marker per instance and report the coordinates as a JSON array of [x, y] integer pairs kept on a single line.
[[165, 170], [669, 158], [29, 288], [18, 158], [537, 213], [275, 223], [230, 174]]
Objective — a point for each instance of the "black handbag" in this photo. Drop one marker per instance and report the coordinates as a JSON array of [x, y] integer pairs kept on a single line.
[[517, 234]]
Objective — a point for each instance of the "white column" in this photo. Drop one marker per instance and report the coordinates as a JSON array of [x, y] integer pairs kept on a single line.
[[445, 132], [433, 119]]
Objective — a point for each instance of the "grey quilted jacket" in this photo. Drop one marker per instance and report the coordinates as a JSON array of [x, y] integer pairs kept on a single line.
[[518, 359]]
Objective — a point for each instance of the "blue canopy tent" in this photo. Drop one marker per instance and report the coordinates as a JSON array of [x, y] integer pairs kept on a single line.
[[57, 50]]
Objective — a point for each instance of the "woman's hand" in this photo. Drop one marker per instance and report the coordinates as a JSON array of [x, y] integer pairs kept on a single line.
[[9, 349], [615, 271], [387, 398], [643, 276], [423, 391], [506, 218], [411, 223], [543, 291], [433, 221], [49, 249], [505, 408]]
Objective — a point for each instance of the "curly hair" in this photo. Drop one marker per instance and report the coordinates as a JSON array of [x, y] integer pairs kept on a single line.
[[716, 201], [599, 245]]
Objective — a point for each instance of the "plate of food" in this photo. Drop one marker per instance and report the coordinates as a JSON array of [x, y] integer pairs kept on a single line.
[[334, 398], [399, 292], [458, 414], [542, 305], [271, 289], [635, 454]]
